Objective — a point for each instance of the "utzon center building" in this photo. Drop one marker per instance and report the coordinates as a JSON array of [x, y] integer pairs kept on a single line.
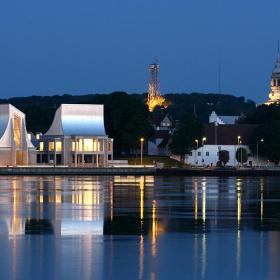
[[76, 138]]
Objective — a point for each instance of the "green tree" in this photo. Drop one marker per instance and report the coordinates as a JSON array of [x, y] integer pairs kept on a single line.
[[270, 148], [241, 155], [183, 139], [224, 157]]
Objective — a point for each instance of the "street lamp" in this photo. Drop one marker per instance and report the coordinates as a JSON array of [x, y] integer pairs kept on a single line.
[[238, 143], [141, 142], [196, 141], [258, 150], [203, 140]]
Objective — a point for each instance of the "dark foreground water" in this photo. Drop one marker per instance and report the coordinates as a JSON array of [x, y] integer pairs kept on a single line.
[[139, 228]]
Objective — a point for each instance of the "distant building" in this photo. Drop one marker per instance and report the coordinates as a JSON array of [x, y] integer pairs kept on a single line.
[[214, 118], [164, 128], [274, 95], [221, 137], [76, 138], [15, 145]]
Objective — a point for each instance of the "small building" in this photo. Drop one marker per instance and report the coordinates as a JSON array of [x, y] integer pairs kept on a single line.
[[15, 145], [221, 137], [214, 118], [164, 127], [76, 138]]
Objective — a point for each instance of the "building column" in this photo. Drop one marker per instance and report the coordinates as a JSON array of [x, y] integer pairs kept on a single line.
[[75, 152], [83, 155], [54, 156]]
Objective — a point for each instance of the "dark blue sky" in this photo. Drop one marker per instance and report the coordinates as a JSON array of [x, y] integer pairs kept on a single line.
[[87, 46]]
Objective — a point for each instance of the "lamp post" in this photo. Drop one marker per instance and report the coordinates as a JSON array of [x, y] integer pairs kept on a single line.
[[141, 143], [238, 143], [196, 141], [258, 150], [203, 140]]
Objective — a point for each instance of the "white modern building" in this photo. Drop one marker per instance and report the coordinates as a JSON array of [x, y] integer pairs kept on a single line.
[[15, 145], [76, 138]]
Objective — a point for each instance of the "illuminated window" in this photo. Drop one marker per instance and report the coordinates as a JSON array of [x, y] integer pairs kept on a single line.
[[41, 148], [88, 145], [73, 146], [109, 147], [58, 146], [95, 145], [17, 135], [51, 146], [100, 145]]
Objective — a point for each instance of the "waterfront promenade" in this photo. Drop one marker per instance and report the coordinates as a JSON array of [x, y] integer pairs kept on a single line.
[[125, 171]]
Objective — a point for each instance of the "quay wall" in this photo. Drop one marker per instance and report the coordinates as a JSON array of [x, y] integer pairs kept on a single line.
[[135, 171]]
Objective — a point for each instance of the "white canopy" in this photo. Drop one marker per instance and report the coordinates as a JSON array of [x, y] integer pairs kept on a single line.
[[78, 120]]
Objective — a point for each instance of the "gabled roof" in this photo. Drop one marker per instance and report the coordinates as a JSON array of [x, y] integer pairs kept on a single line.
[[78, 120]]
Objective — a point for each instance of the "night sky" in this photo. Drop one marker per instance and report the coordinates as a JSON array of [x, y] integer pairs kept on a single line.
[[79, 47]]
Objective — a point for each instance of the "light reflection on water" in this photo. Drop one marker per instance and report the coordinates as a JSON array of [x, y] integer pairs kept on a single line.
[[139, 228]]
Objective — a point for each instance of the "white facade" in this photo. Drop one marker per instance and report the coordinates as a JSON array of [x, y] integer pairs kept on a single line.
[[77, 138], [209, 155], [15, 145]]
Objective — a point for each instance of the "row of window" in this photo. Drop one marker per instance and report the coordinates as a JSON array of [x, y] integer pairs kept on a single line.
[[199, 154], [275, 82], [81, 145]]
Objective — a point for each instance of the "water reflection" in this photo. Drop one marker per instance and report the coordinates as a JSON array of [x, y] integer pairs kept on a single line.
[[139, 227]]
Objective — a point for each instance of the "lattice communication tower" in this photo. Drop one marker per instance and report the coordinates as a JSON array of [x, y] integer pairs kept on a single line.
[[154, 97]]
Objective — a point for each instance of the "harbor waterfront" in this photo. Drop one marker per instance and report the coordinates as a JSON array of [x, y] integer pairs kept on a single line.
[[140, 170], [139, 227]]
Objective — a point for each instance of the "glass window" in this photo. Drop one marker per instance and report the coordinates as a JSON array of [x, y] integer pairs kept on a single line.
[[41, 146], [207, 154], [51, 146], [73, 146], [58, 146], [88, 145], [199, 153], [190, 153]]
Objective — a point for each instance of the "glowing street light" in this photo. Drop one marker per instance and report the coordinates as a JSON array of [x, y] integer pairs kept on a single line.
[[258, 150], [196, 141], [203, 140], [141, 142]]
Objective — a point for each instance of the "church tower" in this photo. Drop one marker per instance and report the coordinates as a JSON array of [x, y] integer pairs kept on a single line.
[[274, 95]]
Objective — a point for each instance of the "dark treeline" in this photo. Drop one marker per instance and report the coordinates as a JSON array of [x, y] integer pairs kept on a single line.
[[126, 115]]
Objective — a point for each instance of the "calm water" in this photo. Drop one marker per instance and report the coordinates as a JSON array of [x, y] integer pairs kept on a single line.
[[139, 228]]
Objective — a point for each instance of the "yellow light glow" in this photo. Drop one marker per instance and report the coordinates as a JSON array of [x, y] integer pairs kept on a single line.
[[41, 148], [154, 229], [58, 146], [142, 197], [204, 202], [51, 146]]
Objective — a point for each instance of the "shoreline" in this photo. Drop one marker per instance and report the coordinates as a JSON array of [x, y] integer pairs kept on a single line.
[[136, 171]]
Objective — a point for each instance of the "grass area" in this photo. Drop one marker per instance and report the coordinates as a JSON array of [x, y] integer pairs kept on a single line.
[[149, 160]]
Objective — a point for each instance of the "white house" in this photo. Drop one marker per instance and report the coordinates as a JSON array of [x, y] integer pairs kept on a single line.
[[228, 137], [209, 154], [214, 118]]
